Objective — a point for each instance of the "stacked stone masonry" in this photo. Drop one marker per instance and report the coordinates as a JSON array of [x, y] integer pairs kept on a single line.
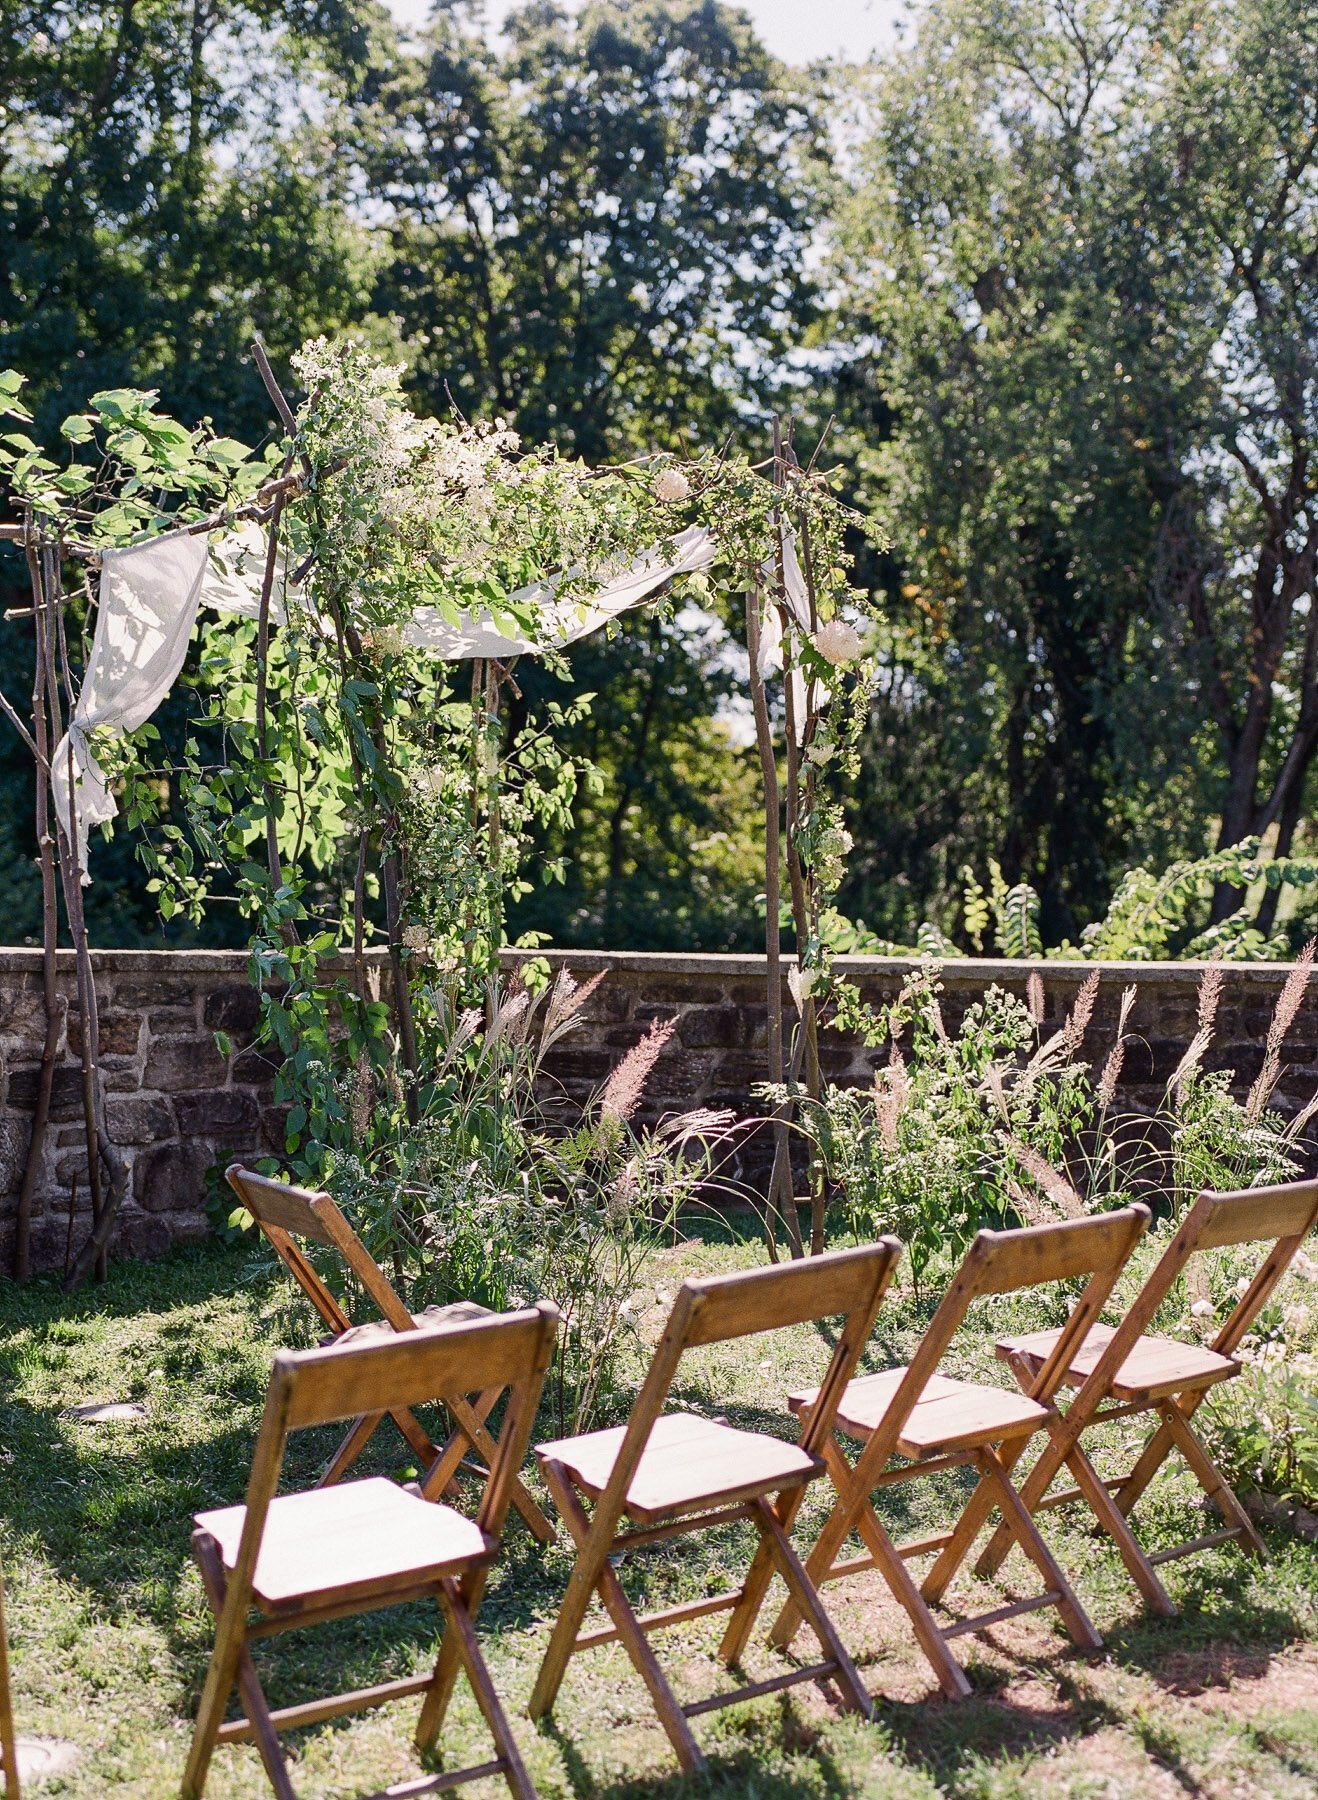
[[178, 1107]]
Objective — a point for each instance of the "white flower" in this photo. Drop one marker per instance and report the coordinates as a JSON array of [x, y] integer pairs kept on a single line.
[[671, 484], [1203, 1309], [414, 937], [838, 643], [801, 984]]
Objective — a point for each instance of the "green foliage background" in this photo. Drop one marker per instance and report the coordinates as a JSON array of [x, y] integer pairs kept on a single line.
[[1053, 271]]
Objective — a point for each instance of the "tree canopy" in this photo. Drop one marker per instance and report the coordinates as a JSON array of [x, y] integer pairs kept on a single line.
[[1052, 267]]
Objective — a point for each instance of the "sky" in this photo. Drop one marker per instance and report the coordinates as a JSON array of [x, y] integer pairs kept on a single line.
[[797, 30]]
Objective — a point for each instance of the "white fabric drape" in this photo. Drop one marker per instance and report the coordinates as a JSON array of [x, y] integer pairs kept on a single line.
[[562, 622], [151, 594], [796, 597], [149, 599]]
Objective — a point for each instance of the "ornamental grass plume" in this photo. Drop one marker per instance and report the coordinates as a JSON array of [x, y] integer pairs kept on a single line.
[[1116, 1056], [622, 1092], [566, 999], [1034, 996], [1055, 1185], [891, 1087], [1288, 1004], [1077, 1024], [1210, 991]]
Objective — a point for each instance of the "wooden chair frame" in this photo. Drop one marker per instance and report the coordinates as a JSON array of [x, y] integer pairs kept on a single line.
[[318, 1387], [849, 1283], [996, 1263], [1284, 1214], [285, 1214], [8, 1740]]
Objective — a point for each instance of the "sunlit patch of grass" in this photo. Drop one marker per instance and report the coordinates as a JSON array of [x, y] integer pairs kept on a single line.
[[111, 1633]]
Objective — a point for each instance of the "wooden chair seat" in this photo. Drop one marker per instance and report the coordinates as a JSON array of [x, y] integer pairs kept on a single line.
[[327, 1542], [1155, 1367], [949, 1415], [688, 1463], [430, 1318]]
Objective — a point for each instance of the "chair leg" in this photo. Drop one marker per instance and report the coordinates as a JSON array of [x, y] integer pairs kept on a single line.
[[243, 1671], [441, 1476], [837, 1528], [594, 1574], [1113, 1521], [463, 1636], [1026, 1532], [1150, 1460], [1211, 1479], [758, 1576], [8, 1739], [807, 1596], [472, 1424], [1047, 1465], [355, 1441]]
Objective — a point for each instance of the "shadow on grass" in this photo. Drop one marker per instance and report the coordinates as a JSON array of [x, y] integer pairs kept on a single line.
[[741, 1772]]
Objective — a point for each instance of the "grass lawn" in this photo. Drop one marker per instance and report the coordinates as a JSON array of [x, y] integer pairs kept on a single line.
[[111, 1633]]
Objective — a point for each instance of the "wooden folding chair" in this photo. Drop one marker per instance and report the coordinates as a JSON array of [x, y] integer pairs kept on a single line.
[[674, 1473], [935, 1423], [1127, 1370], [8, 1741], [322, 1553], [285, 1214]]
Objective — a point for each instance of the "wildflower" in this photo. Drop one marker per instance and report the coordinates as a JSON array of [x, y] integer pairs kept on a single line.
[[838, 643], [671, 484], [415, 937], [1203, 1309]]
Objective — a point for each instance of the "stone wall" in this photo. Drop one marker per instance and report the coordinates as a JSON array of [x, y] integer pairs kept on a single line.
[[717, 1052], [177, 1106], [174, 1104]]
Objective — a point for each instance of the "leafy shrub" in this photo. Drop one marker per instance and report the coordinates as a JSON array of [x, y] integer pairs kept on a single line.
[[499, 1195], [997, 1125]]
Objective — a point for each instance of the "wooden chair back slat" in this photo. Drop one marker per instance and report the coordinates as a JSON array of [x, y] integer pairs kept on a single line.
[[289, 1209], [1006, 1261], [731, 1306], [447, 1362], [1290, 1210]]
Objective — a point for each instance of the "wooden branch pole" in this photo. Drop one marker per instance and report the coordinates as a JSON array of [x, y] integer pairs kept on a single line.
[[55, 1013], [772, 949]]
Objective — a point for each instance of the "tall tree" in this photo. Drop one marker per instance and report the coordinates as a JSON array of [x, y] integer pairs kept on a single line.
[[169, 183], [1079, 266], [601, 230]]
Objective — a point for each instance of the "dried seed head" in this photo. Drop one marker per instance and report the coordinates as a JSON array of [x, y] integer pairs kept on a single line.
[[1034, 996], [1073, 1032]]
